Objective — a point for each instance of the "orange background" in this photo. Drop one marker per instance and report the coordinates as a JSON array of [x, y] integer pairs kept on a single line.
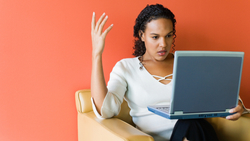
[[45, 54]]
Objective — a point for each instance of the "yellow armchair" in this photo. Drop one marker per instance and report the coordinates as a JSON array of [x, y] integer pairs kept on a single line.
[[122, 128]]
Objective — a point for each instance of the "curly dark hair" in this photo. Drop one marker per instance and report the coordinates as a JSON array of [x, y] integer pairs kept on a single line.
[[149, 13]]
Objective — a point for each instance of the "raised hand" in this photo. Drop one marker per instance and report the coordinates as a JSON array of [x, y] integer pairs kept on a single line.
[[98, 84], [97, 34]]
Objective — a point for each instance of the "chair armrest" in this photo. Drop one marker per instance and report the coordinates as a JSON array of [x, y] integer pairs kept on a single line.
[[232, 130], [83, 102], [90, 128]]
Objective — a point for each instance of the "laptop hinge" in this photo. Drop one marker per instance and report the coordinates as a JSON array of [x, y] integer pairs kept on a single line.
[[178, 112]]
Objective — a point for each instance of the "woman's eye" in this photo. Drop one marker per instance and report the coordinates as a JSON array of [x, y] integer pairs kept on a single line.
[[170, 35], [155, 37]]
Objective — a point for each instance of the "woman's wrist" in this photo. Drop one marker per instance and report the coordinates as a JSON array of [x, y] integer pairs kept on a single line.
[[245, 109], [96, 56]]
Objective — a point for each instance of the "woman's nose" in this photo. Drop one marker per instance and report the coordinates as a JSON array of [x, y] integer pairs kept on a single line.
[[163, 42]]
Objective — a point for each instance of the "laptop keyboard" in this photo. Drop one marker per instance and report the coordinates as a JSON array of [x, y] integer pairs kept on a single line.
[[163, 109]]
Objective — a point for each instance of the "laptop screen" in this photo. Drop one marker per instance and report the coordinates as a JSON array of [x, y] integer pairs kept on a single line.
[[203, 83]]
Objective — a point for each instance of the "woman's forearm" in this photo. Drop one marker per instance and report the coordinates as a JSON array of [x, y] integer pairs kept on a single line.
[[98, 84]]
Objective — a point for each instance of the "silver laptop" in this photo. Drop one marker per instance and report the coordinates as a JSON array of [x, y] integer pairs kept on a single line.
[[205, 84]]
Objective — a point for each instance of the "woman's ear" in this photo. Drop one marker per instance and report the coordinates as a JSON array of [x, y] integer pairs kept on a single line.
[[141, 35]]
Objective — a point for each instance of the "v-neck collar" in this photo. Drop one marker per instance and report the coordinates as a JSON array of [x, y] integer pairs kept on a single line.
[[149, 74]]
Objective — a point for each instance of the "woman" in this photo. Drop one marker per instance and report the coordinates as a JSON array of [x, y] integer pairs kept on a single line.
[[145, 79]]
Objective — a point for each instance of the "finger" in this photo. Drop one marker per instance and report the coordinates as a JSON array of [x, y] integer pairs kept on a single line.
[[107, 30], [236, 109], [102, 25], [234, 116], [93, 22], [99, 21]]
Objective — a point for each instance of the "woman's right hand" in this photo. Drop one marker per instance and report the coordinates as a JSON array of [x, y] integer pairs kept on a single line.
[[98, 37]]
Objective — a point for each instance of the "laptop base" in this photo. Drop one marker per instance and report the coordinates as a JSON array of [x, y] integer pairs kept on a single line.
[[164, 114]]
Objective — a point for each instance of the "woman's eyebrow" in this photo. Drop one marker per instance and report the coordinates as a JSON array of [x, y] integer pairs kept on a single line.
[[158, 34], [154, 34], [170, 32]]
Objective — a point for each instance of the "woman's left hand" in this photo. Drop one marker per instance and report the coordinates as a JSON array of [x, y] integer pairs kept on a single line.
[[238, 110]]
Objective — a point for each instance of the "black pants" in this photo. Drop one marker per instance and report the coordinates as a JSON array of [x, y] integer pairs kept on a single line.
[[193, 130]]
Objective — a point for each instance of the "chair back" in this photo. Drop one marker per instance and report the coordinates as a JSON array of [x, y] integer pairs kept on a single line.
[[124, 113]]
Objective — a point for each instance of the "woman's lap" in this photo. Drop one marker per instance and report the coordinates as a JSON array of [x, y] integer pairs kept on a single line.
[[193, 130]]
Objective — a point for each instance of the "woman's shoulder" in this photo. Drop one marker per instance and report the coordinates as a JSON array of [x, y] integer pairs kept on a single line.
[[127, 63], [129, 59]]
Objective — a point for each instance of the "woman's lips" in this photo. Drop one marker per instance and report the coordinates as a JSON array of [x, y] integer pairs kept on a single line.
[[162, 52]]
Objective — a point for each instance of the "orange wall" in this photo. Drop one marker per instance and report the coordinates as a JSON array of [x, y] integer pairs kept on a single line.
[[45, 54]]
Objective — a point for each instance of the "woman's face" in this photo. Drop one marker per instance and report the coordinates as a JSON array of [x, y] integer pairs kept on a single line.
[[158, 39]]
